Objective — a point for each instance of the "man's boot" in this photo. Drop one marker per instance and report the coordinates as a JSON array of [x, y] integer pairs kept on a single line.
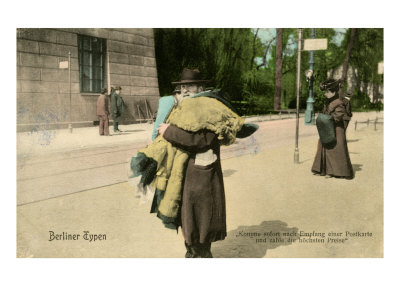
[[116, 126], [192, 251], [188, 252], [206, 250], [199, 251]]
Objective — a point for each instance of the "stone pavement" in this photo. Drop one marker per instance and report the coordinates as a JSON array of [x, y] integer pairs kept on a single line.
[[42, 140], [275, 208]]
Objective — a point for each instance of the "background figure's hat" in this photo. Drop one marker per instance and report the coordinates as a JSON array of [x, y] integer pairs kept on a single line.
[[118, 87], [104, 90], [176, 90], [191, 76], [348, 94]]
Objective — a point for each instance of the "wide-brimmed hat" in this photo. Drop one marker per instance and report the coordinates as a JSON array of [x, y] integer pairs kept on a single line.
[[191, 76], [118, 87]]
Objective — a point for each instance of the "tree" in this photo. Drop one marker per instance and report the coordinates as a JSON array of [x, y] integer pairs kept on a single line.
[[278, 69], [346, 61]]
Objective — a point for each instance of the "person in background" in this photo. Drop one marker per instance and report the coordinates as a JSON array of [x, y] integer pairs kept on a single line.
[[102, 112], [334, 161], [117, 107]]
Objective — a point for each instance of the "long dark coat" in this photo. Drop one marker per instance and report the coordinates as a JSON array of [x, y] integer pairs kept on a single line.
[[203, 212], [335, 161], [117, 105]]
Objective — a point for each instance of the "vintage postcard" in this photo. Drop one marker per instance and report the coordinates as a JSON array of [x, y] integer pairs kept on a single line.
[[200, 142]]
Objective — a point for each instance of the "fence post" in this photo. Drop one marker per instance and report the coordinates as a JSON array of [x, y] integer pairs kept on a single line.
[[355, 126], [376, 121], [368, 122], [280, 115]]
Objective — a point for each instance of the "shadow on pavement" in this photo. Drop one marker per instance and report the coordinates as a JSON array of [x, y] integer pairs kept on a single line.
[[125, 132], [303, 161], [254, 241], [228, 172], [134, 130], [353, 141]]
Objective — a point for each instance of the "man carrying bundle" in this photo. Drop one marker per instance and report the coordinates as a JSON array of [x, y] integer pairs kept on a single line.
[[185, 161]]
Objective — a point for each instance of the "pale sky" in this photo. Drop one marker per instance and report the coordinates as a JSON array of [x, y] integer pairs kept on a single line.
[[266, 34]]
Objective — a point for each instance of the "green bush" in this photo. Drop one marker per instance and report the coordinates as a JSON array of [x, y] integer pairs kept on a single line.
[[362, 102], [257, 92]]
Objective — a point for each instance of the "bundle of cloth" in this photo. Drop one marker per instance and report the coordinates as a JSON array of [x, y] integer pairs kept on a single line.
[[162, 165]]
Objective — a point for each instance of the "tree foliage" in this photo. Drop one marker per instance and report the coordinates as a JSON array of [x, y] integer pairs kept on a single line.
[[367, 53], [227, 57], [223, 55]]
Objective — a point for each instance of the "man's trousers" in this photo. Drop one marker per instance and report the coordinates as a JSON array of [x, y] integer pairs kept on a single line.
[[103, 125]]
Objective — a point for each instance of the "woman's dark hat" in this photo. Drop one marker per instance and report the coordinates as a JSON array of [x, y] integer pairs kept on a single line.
[[330, 84], [191, 76], [118, 87], [104, 90]]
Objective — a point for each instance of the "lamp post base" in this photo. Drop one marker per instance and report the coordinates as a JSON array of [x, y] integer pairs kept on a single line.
[[296, 156]]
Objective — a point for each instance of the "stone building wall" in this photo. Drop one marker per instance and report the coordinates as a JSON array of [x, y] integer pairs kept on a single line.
[[43, 89]]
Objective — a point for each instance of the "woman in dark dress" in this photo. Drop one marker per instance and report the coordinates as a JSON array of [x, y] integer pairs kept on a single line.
[[335, 161]]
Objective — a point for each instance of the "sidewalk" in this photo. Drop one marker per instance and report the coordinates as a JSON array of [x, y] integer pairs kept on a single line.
[[42, 142], [45, 141]]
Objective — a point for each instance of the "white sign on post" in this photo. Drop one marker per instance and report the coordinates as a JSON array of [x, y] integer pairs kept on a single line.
[[63, 64], [315, 44], [380, 67]]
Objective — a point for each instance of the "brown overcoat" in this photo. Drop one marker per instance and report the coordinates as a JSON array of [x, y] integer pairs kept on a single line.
[[336, 161], [102, 107], [203, 212]]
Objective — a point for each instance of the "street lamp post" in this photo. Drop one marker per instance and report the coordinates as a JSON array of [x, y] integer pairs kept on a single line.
[[70, 106], [309, 114], [311, 45]]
